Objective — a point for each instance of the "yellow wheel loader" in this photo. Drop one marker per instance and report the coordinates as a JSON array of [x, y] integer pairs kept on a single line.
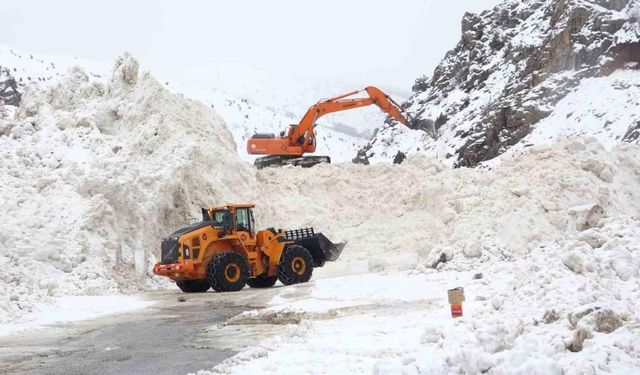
[[224, 252]]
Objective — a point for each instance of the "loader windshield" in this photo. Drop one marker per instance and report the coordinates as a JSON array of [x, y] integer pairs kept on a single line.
[[222, 218], [218, 216]]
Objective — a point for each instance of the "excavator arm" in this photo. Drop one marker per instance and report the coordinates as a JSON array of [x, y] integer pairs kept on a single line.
[[300, 138]]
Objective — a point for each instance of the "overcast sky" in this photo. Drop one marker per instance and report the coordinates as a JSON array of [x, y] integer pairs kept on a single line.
[[387, 43]]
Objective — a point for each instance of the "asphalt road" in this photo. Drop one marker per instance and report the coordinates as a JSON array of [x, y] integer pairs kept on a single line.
[[169, 337]]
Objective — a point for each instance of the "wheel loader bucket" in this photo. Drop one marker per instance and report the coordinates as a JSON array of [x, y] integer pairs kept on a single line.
[[320, 247], [331, 251]]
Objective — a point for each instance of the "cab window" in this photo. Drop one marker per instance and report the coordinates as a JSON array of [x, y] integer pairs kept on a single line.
[[242, 220], [218, 216]]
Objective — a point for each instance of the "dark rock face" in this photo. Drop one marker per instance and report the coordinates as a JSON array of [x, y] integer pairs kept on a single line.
[[9, 93], [511, 66], [633, 134]]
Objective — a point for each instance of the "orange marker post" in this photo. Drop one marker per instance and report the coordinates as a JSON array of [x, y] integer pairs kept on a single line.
[[456, 297]]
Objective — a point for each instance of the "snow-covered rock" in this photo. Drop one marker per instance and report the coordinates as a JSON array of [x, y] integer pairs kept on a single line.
[[504, 83], [9, 93]]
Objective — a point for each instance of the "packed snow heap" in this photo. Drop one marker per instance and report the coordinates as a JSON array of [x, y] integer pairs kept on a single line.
[[94, 174]]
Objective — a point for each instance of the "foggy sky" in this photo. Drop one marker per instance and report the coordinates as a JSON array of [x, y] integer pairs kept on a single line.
[[387, 43]]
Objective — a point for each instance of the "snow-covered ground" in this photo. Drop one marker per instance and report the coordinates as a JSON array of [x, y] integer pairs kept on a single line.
[[565, 307]]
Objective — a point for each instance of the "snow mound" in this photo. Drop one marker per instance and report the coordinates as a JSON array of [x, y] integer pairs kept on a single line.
[[400, 216], [94, 173], [528, 314]]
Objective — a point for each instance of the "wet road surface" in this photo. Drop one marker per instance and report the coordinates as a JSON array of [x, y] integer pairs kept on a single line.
[[169, 337]]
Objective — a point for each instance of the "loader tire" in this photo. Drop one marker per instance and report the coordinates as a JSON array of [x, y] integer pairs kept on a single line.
[[228, 272], [262, 282], [193, 286], [296, 265]]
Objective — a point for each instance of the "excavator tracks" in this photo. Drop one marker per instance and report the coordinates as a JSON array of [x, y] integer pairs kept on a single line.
[[279, 161]]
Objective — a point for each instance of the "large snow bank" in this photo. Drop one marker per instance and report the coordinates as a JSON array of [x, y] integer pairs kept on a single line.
[[546, 246], [397, 215], [568, 306], [93, 174]]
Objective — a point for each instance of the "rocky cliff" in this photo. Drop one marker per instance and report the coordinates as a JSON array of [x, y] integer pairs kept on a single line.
[[512, 65], [8, 88]]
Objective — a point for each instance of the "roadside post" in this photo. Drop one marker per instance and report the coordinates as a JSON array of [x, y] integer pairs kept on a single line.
[[456, 297]]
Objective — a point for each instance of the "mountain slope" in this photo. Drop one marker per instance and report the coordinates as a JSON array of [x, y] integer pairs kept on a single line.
[[513, 64]]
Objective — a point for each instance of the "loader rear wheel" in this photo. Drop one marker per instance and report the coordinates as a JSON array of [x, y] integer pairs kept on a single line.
[[193, 286], [262, 282], [296, 265], [228, 272]]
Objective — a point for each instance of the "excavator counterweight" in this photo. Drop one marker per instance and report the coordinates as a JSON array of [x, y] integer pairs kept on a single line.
[[292, 145]]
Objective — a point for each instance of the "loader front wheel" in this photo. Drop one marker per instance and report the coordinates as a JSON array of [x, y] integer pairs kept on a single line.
[[193, 286], [296, 265], [262, 282], [228, 272]]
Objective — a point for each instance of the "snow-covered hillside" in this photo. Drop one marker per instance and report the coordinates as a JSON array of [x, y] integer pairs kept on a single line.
[[607, 108], [512, 66], [28, 67]]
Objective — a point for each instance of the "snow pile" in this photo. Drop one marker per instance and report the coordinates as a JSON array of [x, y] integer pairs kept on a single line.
[[397, 215], [94, 174], [563, 307], [545, 245]]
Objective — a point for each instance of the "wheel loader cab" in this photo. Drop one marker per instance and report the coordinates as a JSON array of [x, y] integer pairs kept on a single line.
[[245, 221], [235, 219], [223, 219]]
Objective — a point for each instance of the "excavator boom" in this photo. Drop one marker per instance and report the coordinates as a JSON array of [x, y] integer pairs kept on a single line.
[[300, 139]]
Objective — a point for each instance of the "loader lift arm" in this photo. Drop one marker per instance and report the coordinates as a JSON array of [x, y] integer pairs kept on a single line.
[[300, 139]]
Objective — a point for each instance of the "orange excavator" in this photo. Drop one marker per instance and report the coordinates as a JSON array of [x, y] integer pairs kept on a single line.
[[290, 147]]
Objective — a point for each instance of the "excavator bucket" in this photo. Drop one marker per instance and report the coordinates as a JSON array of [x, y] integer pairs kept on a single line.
[[320, 247]]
